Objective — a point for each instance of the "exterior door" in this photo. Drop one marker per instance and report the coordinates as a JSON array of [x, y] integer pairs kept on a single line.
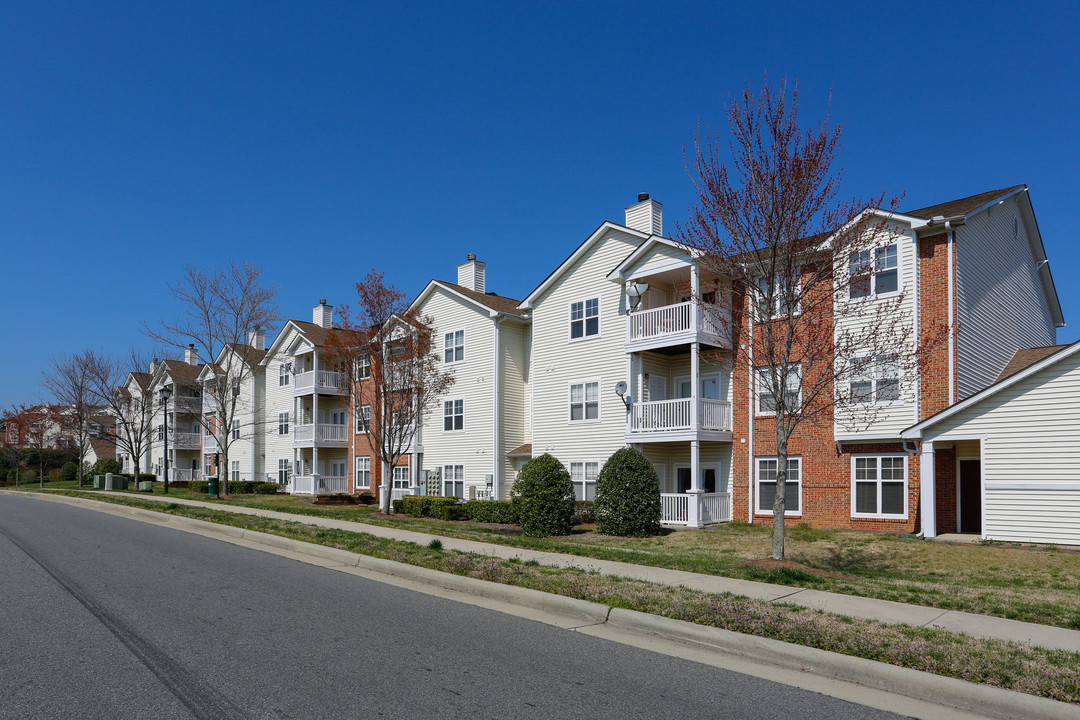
[[682, 479], [657, 388], [970, 496]]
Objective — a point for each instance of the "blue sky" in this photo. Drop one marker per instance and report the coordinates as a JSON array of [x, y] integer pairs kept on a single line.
[[321, 140]]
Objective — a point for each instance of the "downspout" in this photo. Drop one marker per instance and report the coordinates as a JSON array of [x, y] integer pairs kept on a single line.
[[918, 327], [750, 421], [952, 340], [496, 469]]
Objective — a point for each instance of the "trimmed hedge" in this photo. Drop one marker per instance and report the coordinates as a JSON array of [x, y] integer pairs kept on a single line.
[[366, 498], [628, 495], [544, 498], [491, 511], [266, 488], [199, 486], [427, 506]]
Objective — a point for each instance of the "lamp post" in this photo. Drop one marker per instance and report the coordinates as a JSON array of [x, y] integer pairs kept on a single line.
[[166, 393]]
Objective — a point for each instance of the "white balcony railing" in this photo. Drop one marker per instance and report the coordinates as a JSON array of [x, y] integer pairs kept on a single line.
[[321, 432], [186, 440], [183, 474], [321, 380], [209, 444], [670, 320], [667, 415], [319, 484], [712, 508]]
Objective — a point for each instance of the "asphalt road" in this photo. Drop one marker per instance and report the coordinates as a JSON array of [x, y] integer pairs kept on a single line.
[[107, 617]]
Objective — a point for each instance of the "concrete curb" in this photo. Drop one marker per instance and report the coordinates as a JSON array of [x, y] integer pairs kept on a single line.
[[982, 700]]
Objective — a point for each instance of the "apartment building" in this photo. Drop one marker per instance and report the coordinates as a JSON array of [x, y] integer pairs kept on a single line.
[[179, 418]]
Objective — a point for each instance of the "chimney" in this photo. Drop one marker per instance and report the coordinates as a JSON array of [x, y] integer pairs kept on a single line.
[[153, 365], [257, 338], [646, 216], [323, 314], [191, 355], [470, 274]]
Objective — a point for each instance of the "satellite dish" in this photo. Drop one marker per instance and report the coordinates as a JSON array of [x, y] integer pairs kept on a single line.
[[620, 388]]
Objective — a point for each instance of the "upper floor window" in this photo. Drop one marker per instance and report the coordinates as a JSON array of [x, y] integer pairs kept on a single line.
[[453, 415], [874, 272], [585, 401], [766, 396], [454, 347], [776, 306], [875, 379], [363, 418], [284, 370], [363, 367], [585, 318]]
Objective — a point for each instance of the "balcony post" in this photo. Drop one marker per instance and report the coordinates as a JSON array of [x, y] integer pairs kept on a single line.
[[693, 504], [695, 297], [695, 383]]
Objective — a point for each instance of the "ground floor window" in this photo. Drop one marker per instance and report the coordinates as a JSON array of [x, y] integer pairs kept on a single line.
[[766, 485], [453, 478], [284, 471], [363, 473], [584, 476], [708, 479], [879, 486], [401, 477]]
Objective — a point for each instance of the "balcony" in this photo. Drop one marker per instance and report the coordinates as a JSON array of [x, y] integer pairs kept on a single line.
[[674, 325], [187, 405], [185, 440], [666, 420], [322, 434], [319, 485], [695, 509], [324, 382], [183, 474], [210, 444]]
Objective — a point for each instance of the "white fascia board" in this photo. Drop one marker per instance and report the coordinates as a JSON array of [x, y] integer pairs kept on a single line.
[[619, 274], [484, 309], [275, 346], [915, 432], [914, 222], [530, 301], [996, 201]]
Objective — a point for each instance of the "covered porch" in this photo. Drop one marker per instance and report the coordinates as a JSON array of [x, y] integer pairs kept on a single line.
[[320, 472], [695, 482]]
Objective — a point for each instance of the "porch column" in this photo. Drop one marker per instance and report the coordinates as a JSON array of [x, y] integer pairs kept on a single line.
[[695, 298], [631, 392], [314, 414], [693, 506], [927, 490], [695, 383]]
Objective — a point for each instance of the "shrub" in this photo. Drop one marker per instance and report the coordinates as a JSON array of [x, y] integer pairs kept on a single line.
[[199, 486], [368, 498], [147, 477], [265, 488], [449, 511], [491, 511], [69, 472], [106, 465], [424, 506], [12, 476], [584, 512], [628, 495], [242, 487], [544, 498]]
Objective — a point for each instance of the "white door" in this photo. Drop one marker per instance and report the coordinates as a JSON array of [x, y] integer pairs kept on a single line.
[[655, 298], [657, 388], [711, 387], [337, 469]]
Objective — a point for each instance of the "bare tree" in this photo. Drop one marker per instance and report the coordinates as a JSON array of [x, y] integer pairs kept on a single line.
[[769, 220], [68, 380], [43, 424], [390, 365], [14, 437], [127, 402], [222, 308]]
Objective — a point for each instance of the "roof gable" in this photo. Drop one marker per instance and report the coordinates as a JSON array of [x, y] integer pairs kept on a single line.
[[485, 302]]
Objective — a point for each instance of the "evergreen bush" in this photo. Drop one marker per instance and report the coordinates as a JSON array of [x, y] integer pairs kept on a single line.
[[106, 465], [491, 511], [628, 495], [69, 472], [544, 498]]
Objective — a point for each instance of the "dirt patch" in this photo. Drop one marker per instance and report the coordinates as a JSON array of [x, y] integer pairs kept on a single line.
[[770, 564]]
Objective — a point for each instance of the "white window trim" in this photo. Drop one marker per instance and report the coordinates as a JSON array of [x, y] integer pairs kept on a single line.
[[874, 294], [357, 470], [758, 299], [444, 479], [584, 402], [366, 365], [907, 486], [442, 405], [874, 377], [584, 482], [757, 486], [569, 319], [463, 353], [356, 423], [702, 467], [758, 412]]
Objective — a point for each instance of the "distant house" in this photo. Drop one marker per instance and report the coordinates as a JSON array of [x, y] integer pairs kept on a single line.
[[1005, 462]]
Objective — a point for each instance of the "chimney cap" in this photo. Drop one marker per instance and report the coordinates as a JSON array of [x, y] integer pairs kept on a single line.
[[642, 197], [470, 257], [191, 345], [322, 301]]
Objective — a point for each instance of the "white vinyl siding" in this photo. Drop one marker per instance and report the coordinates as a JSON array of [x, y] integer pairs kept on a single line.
[[1031, 463], [1000, 303], [555, 369]]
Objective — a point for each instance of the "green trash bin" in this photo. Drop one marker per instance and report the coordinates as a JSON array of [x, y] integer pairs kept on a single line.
[[213, 489], [99, 482]]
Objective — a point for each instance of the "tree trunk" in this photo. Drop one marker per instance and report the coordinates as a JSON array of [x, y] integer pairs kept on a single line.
[[385, 505], [780, 501]]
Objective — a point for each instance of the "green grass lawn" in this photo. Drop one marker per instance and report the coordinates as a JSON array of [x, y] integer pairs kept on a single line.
[[1024, 583]]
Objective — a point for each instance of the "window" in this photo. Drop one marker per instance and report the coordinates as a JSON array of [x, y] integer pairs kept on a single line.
[[453, 481], [235, 430], [453, 415], [585, 401], [234, 471], [208, 464], [338, 417], [401, 477], [283, 423], [792, 393], [363, 472], [363, 418], [284, 371], [454, 347], [875, 380], [874, 272], [766, 485], [584, 475], [160, 432], [363, 367], [879, 486], [777, 305], [284, 471], [585, 318]]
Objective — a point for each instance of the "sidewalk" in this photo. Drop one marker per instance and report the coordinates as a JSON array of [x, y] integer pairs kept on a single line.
[[983, 626]]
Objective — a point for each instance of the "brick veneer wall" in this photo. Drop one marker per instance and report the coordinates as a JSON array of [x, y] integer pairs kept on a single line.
[[945, 489], [933, 316]]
